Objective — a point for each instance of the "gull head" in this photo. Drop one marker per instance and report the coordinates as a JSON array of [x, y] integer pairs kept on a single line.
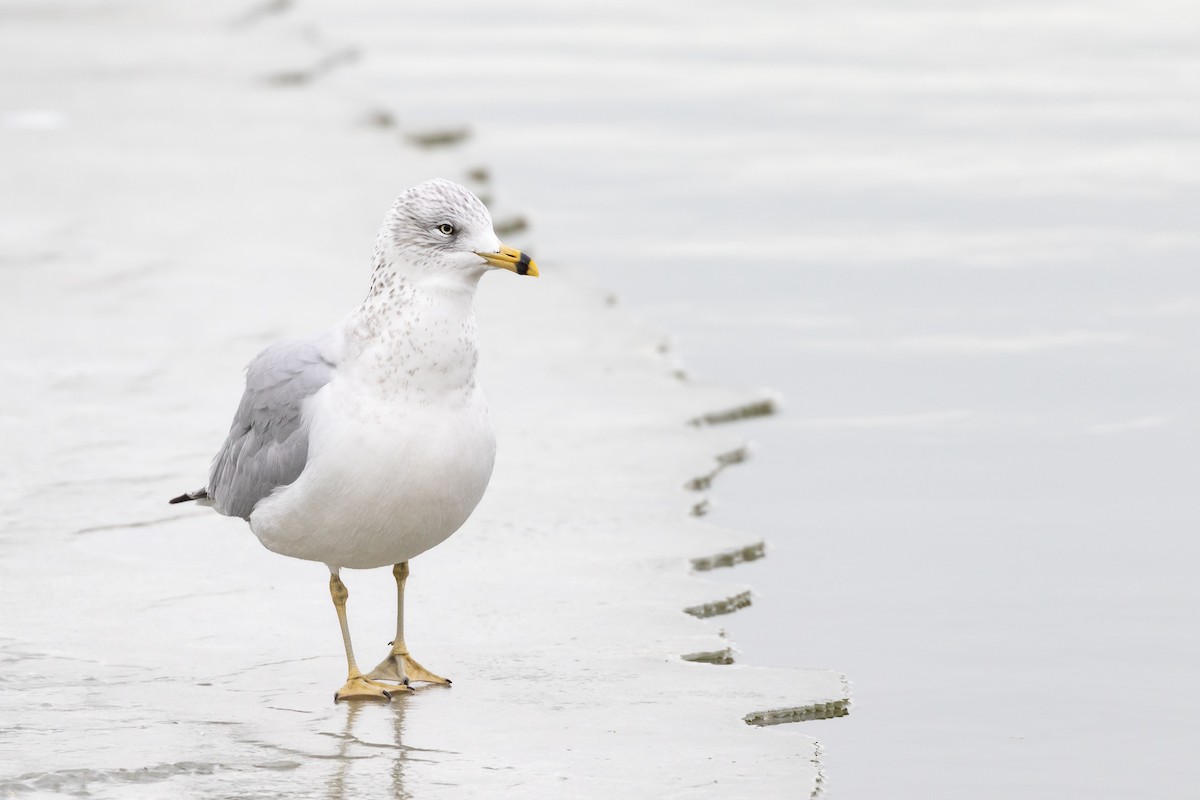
[[440, 228]]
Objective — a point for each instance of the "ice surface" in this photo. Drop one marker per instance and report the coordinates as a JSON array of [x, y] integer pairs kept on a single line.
[[959, 237], [188, 206]]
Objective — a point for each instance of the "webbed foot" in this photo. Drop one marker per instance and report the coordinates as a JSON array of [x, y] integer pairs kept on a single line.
[[363, 688], [401, 668]]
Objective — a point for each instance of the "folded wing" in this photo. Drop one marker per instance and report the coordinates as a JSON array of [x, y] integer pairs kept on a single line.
[[267, 446]]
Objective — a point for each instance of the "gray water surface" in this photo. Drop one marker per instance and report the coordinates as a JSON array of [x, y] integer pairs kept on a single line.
[[959, 238]]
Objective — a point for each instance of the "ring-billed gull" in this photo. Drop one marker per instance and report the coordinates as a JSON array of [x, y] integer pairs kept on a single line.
[[370, 443]]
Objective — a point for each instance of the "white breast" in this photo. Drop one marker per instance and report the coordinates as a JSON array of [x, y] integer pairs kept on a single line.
[[387, 478]]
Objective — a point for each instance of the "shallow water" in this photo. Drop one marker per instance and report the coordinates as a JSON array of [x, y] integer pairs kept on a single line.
[[959, 238]]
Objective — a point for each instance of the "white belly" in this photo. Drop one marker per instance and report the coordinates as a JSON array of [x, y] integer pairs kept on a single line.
[[385, 480]]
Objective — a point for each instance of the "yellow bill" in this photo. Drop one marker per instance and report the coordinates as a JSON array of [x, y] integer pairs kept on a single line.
[[513, 259]]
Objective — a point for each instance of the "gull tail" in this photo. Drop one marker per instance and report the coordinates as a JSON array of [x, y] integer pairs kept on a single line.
[[187, 497]]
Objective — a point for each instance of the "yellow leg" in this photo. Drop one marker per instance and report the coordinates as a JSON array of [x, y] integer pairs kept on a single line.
[[399, 666], [357, 687]]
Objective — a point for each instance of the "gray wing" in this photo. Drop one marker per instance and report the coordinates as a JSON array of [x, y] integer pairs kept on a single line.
[[267, 446]]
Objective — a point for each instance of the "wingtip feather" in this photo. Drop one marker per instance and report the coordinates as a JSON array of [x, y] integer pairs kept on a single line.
[[189, 496]]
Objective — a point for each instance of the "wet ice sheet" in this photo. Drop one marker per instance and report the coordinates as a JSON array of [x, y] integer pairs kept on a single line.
[[959, 237], [221, 684], [161, 178]]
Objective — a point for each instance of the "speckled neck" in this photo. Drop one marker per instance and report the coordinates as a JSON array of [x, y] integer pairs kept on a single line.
[[416, 336]]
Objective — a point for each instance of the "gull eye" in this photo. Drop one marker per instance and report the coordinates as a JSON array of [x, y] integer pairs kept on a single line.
[[446, 229]]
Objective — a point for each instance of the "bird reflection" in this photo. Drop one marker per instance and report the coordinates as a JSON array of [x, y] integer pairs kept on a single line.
[[399, 758], [365, 757]]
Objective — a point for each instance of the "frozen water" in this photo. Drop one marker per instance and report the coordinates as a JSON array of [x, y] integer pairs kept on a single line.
[[959, 237], [150, 650]]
